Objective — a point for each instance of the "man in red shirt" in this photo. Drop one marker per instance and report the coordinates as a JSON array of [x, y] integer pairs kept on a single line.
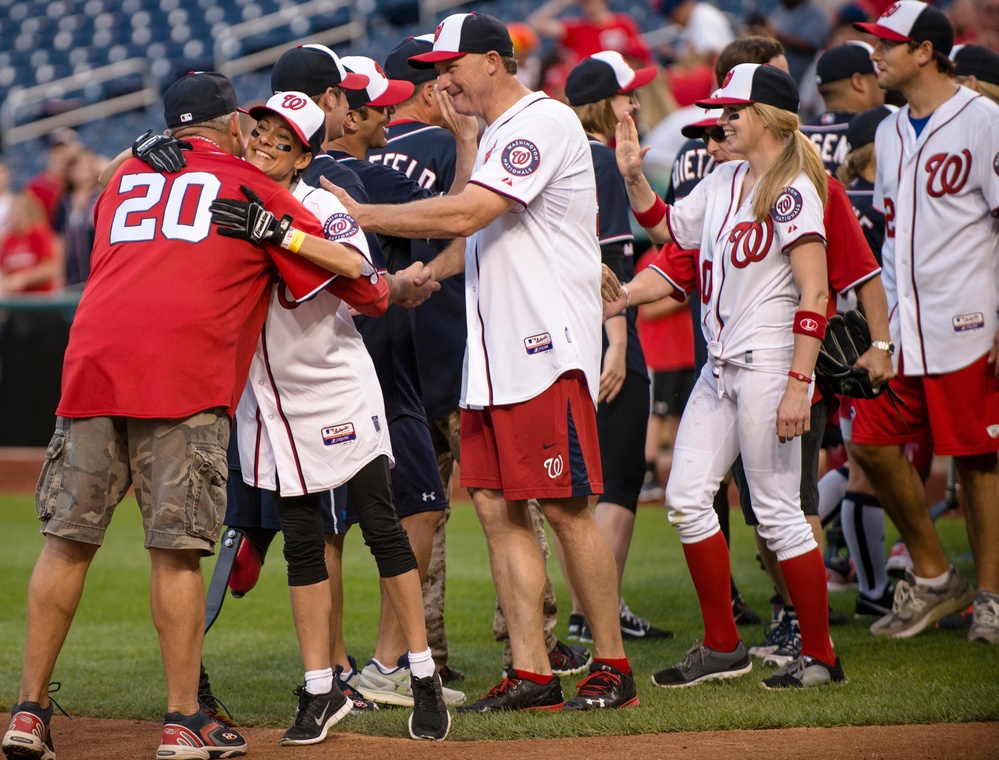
[[158, 355]]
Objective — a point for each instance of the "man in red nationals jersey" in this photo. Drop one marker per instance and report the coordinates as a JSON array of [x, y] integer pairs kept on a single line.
[[939, 155], [158, 355]]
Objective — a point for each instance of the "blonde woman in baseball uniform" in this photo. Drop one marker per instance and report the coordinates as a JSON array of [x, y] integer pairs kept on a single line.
[[761, 273]]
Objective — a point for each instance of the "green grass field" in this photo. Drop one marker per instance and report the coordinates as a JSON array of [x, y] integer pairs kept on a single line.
[[110, 665]]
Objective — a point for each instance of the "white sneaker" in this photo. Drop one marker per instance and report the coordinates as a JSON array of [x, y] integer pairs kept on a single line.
[[985, 621], [394, 687]]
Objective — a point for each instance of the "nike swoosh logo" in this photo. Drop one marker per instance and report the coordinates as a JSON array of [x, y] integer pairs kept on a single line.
[[636, 632], [322, 718], [548, 446]]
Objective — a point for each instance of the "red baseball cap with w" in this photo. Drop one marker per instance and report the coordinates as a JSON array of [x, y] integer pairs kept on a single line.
[[912, 21]]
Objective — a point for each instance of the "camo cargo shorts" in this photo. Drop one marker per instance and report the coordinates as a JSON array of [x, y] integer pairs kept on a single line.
[[178, 468]]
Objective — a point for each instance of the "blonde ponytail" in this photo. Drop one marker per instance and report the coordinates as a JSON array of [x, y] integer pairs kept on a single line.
[[856, 161], [799, 155]]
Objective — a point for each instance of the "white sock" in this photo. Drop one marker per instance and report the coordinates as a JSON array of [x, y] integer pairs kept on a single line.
[[863, 522], [319, 681], [421, 664], [832, 487], [939, 582], [381, 667], [347, 674]]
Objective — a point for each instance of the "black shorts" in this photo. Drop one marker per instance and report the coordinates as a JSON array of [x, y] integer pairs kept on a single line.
[[621, 428], [811, 444], [670, 391], [416, 481], [248, 507]]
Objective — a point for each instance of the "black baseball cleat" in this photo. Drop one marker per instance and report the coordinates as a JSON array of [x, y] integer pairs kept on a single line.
[[605, 688], [514, 693], [317, 713]]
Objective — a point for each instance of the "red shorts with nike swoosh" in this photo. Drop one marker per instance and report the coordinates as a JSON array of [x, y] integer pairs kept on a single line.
[[543, 448], [958, 412]]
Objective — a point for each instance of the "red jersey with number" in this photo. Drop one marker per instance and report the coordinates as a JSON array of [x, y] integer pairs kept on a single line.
[[172, 311]]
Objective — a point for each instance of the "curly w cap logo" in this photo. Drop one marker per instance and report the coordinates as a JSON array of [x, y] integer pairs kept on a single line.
[[293, 102]]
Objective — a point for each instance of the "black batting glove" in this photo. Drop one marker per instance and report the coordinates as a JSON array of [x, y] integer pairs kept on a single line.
[[161, 152], [250, 220]]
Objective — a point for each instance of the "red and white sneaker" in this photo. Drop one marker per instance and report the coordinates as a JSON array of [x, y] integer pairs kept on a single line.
[[198, 737], [28, 734]]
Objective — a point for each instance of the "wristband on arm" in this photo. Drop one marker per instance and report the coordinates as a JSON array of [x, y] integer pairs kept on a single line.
[[652, 215], [810, 323]]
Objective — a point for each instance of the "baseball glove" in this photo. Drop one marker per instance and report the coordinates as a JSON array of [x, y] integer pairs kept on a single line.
[[161, 152], [847, 339], [249, 219]]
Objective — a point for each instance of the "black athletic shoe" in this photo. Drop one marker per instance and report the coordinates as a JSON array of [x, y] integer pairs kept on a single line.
[[576, 625], [566, 660], [430, 718], [742, 613], [865, 606], [211, 705], [634, 627], [514, 693], [198, 736], [451, 675], [316, 714], [604, 688], [803, 673]]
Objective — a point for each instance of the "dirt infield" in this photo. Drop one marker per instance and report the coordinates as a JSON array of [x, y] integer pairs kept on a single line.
[[92, 739]]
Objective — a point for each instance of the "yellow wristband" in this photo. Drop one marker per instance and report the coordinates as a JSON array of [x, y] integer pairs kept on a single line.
[[294, 240]]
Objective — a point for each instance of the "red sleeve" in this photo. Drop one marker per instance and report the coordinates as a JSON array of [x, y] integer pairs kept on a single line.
[[302, 276], [367, 295], [849, 259], [679, 267], [41, 242]]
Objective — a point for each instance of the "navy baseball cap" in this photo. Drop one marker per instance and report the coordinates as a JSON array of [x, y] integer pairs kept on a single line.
[[843, 61], [312, 69], [603, 75], [397, 64], [464, 33], [196, 97], [755, 83], [977, 61], [912, 21], [864, 125]]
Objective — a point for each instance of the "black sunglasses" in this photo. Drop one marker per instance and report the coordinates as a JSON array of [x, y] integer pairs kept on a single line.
[[713, 133]]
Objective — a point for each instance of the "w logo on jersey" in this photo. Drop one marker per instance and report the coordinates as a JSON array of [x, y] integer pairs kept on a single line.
[[948, 173], [751, 242]]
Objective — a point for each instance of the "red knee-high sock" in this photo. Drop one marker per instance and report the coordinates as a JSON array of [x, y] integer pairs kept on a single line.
[[805, 576], [708, 562]]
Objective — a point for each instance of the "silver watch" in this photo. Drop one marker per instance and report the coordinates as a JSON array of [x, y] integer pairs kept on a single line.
[[885, 345]]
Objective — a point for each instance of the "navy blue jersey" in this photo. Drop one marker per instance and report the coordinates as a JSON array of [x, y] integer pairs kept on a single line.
[[424, 153], [828, 132], [872, 222], [390, 338], [616, 246], [692, 164], [428, 155]]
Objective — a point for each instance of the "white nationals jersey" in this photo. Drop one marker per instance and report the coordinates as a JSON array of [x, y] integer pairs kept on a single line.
[[532, 277], [312, 413], [939, 192], [748, 294]]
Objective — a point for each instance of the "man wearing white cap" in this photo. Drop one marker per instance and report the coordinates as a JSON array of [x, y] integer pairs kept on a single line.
[[939, 154], [528, 427]]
